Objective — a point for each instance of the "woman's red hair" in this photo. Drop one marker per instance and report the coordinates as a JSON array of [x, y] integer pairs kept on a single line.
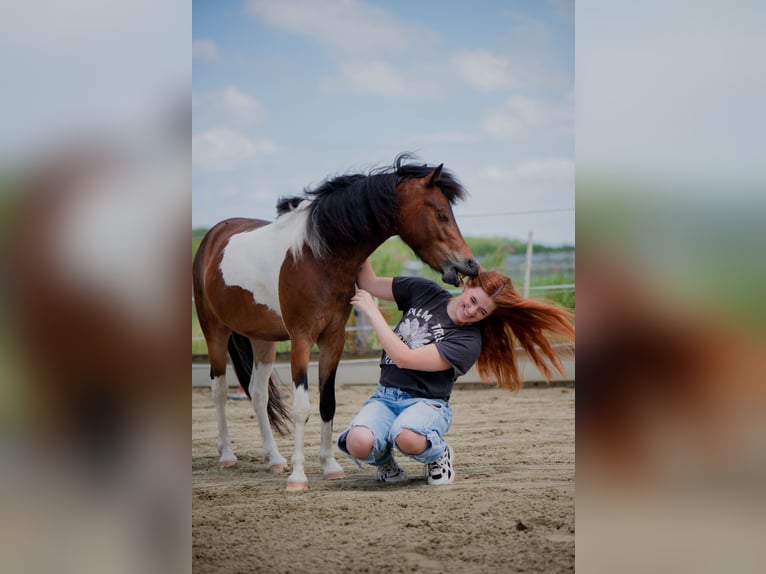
[[517, 319]]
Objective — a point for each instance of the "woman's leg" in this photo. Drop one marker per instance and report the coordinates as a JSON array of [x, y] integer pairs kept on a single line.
[[410, 442], [366, 438], [360, 442], [418, 431]]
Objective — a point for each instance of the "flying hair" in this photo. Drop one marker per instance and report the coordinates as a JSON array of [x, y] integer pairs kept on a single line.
[[517, 320]]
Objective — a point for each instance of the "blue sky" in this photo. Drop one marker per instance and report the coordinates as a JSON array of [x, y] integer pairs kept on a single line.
[[289, 92]]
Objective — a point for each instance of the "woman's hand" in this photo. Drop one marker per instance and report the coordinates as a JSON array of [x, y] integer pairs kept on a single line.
[[425, 358], [364, 302]]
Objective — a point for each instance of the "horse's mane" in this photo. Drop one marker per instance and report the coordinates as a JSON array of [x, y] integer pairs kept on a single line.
[[346, 206]]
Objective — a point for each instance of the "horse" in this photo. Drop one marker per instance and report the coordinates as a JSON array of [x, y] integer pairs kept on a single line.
[[256, 282]]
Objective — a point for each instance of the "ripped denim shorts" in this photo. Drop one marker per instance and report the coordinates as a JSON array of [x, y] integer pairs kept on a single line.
[[388, 411]]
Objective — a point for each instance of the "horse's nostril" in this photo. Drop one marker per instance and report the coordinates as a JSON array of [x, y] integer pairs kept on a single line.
[[472, 264]]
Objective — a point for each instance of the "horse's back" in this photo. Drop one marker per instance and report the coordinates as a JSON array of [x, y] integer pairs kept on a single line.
[[218, 235]]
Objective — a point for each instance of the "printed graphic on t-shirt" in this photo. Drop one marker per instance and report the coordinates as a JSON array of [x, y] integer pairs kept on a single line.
[[414, 334], [415, 330]]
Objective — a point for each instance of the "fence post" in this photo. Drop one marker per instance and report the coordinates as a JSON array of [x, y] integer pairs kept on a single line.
[[528, 265]]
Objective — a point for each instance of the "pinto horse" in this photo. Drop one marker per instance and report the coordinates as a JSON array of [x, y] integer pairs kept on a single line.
[[257, 282]]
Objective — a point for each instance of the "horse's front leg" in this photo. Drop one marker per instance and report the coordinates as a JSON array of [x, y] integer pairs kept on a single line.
[[299, 361], [330, 350]]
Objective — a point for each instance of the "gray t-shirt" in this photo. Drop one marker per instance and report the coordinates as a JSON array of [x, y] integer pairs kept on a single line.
[[425, 321]]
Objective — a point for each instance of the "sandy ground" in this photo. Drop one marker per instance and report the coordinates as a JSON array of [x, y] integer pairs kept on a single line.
[[511, 508]]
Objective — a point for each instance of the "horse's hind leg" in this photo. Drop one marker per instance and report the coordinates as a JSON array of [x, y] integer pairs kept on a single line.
[[216, 348], [265, 353]]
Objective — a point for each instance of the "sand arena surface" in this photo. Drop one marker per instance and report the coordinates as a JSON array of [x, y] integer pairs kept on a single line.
[[511, 508]]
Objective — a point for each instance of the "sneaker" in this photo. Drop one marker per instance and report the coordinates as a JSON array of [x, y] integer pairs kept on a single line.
[[440, 471], [391, 472]]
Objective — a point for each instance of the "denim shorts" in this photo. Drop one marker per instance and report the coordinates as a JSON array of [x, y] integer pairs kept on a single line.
[[388, 411]]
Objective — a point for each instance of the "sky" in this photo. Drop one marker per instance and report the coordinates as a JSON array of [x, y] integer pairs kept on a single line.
[[287, 93]]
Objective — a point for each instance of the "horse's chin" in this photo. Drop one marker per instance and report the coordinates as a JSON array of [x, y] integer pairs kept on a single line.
[[453, 272], [451, 276]]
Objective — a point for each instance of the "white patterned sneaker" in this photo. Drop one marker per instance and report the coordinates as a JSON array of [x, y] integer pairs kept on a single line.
[[440, 471], [391, 472]]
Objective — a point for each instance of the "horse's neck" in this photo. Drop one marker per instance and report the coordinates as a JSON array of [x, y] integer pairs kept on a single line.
[[344, 261], [359, 251]]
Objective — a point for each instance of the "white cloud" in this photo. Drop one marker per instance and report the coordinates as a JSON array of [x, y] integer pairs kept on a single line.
[[372, 77], [517, 114], [225, 150], [547, 169], [350, 26], [550, 168], [483, 70], [226, 107], [446, 138], [372, 51], [205, 50], [520, 114]]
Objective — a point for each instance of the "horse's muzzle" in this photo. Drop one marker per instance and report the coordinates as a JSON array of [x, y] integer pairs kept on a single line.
[[451, 274]]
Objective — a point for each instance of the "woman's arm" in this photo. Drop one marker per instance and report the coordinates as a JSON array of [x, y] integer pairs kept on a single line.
[[425, 358], [367, 280]]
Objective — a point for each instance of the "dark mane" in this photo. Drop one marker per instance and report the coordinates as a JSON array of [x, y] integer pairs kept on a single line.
[[448, 183], [346, 207], [287, 204]]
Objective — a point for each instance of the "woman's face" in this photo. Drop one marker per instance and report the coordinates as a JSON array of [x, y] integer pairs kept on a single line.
[[473, 305]]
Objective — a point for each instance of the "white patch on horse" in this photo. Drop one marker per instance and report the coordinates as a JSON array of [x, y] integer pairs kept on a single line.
[[301, 409], [220, 390], [252, 259]]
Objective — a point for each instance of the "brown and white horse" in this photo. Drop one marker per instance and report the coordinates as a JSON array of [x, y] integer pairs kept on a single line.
[[293, 279]]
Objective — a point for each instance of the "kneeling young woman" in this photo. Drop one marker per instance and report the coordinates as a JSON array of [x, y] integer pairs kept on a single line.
[[438, 339]]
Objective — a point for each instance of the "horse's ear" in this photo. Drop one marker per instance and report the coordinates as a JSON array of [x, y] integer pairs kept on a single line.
[[435, 175]]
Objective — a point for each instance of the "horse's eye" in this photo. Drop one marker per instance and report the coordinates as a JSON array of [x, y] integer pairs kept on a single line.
[[443, 218]]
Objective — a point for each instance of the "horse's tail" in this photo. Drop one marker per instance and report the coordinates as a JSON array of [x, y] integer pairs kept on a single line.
[[241, 353]]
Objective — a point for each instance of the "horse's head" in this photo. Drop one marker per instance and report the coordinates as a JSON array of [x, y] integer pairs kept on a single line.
[[427, 225]]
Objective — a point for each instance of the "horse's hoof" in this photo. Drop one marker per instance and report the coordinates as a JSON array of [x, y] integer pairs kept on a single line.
[[227, 463], [335, 475], [297, 486], [278, 468]]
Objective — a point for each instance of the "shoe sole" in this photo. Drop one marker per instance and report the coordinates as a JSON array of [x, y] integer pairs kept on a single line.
[[393, 480], [398, 478]]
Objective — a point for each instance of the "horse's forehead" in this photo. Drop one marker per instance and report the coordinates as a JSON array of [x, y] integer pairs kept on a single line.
[[435, 198], [415, 192]]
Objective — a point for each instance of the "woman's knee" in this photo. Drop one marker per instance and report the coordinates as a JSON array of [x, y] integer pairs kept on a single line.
[[410, 442], [359, 442]]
